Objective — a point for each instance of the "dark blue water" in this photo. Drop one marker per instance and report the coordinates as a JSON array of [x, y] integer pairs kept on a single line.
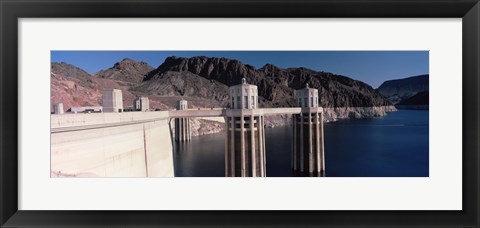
[[392, 146]]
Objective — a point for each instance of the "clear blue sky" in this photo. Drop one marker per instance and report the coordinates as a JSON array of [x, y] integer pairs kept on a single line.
[[371, 67]]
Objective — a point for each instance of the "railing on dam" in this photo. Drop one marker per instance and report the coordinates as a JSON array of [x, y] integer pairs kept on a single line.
[[218, 112], [214, 112], [85, 121]]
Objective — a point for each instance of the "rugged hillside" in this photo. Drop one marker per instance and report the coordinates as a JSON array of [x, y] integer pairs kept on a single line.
[[74, 87], [73, 92], [400, 89], [127, 70], [185, 84], [276, 85]]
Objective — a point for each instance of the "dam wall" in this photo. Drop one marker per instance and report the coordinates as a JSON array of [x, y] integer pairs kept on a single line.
[[129, 144]]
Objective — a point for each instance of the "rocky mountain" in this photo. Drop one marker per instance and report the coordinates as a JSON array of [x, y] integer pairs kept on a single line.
[[185, 84], [420, 98], [275, 85], [69, 70], [418, 101], [400, 89], [127, 70]]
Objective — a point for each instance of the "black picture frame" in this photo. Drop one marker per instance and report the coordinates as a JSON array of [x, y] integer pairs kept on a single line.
[[12, 10]]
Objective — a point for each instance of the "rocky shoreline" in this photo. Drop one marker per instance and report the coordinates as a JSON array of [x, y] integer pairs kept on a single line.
[[207, 126], [334, 114], [212, 126]]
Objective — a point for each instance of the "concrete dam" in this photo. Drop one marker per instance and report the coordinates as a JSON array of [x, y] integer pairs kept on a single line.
[[127, 144], [140, 144]]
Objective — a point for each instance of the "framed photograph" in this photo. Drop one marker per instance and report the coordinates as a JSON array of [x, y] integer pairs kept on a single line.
[[252, 113]]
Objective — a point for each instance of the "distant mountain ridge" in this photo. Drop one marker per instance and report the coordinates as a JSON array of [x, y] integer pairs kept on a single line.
[[420, 98], [419, 101], [400, 89]]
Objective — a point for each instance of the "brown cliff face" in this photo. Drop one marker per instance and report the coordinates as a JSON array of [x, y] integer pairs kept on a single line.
[[275, 85], [127, 70]]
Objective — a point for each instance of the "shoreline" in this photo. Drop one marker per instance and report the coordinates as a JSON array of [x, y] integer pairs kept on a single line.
[[210, 126]]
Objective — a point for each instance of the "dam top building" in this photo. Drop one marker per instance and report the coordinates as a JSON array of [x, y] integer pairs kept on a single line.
[[141, 104], [58, 108], [112, 100], [244, 96], [306, 97], [182, 104]]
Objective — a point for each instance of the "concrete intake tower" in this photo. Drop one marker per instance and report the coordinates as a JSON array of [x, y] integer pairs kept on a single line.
[[308, 158], [245, 138], [182, 125]]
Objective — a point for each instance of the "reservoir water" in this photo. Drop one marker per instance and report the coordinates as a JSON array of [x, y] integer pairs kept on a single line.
[[395, 145]]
